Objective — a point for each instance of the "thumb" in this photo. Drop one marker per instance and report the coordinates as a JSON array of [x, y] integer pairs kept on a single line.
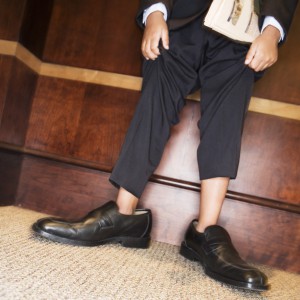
[[250, 55], [165, 39]]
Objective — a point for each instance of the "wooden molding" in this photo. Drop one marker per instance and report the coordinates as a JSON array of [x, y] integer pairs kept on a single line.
[[275, 108], [172, 182], [29, 59], [91, 76], [260, 105], [8, 47], [192, 186]]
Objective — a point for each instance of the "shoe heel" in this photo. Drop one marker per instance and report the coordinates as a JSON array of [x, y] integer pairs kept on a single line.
[[188, 253], [130, 242]]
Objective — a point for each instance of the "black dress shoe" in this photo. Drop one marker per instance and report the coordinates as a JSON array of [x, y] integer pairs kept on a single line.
[[220, 260], [102, 225]]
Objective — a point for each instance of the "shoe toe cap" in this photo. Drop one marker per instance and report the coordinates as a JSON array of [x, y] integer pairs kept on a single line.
[[256, 277], [51, 226]]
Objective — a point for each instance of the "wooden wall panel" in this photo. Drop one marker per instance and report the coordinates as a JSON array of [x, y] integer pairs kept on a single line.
[[270, 160], [281, 81], [68, 191], [17, 107], [95, 34], [35, 25], [103, 124], [10, 166], [55, 116], [62, 189], [86, 122], [11, 14], [5, 72]]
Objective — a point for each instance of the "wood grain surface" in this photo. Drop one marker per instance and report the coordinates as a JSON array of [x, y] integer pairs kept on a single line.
[[11, 17], [17, 108], [36, 20], [95, 34]]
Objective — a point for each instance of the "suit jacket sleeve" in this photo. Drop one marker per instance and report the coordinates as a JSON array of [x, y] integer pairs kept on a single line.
[[281, 10], [147, 3]]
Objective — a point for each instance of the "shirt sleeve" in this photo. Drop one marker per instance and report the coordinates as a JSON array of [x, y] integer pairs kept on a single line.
[[269, 20], [155, 7]]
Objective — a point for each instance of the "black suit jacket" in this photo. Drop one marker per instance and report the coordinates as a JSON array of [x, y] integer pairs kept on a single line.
[[181, 12]]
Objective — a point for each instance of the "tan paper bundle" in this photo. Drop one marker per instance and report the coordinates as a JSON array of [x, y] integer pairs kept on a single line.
[[236, 19]]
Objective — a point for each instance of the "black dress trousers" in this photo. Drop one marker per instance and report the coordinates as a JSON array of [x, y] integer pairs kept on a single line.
[[197, 58]]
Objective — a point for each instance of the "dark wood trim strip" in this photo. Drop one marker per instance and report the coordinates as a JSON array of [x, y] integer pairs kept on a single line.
[[59, 158], [187, 185], [271, 203]]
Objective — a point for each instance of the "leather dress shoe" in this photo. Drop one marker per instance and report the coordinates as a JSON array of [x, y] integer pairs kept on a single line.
[[220, 260], [102, 225]]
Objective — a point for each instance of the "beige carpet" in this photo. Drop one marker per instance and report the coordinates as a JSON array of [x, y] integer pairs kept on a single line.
[[33, 268]]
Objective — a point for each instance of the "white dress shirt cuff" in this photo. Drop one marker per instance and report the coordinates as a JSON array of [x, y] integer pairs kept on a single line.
[[272, 21], [269, 20], [155, 7]]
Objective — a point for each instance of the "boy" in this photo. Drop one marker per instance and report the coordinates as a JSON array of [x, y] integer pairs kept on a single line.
[[182, 56]]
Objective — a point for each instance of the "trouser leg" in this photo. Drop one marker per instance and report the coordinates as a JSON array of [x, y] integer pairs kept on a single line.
[[226, 86], [166, 81]]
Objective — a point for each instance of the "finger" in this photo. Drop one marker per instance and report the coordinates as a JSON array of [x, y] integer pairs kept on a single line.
[[146, 44], [258, 61], [250, 55], [154, 46], [143, 49], [149, 50], [149, 53], [255, 65], [260, 66], [263, 64], [268, 65], [165, 39]]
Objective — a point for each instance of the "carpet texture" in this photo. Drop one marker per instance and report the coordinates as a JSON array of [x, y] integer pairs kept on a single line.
[[33, 268]]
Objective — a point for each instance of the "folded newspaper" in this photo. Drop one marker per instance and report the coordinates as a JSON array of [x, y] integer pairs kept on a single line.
[[236, 19]]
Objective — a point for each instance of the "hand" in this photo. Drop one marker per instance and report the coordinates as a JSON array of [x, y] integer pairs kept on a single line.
[[263, 52], [156, 30]]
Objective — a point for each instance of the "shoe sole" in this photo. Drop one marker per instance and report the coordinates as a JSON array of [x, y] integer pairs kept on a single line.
[[125, 241], [190, 254]]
